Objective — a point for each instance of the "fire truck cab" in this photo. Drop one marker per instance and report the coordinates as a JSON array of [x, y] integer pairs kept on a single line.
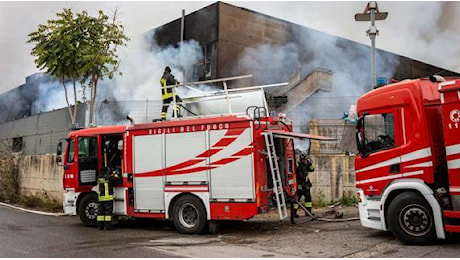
[[406, 171]]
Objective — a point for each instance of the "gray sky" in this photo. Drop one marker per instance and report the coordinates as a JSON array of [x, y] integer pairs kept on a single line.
[[426, 31]]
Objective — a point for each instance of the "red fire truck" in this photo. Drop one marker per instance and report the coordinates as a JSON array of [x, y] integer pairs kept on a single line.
[[408, 166], [188, 170]]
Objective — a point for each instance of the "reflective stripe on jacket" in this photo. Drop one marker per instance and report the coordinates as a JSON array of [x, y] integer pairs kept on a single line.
[[105, 190], [167, 80]]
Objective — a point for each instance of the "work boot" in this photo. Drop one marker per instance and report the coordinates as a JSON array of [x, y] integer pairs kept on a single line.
[[108, 225], [294, 214], [292, 220]]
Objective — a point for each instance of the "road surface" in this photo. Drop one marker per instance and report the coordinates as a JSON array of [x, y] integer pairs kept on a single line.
[[24, 234]]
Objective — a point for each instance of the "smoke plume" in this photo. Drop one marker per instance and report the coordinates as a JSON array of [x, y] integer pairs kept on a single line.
[[142, 64]]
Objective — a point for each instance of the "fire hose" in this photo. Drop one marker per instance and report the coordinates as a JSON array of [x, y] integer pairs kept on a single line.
[[188, 110], [333, 210]]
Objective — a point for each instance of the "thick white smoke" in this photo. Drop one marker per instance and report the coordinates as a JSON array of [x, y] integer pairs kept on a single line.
[[425, 31], [142, 65], [348, 61], [51, 96]]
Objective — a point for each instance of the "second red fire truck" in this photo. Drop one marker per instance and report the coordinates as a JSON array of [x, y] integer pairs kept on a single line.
[[408, 166]]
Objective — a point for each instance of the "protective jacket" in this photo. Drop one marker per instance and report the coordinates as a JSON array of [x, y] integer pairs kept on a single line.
[[106, 183], [303, 170], [167, 80], [303, 187]]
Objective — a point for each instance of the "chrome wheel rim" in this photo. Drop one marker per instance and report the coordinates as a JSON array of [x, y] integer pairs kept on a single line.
[[91, 210]]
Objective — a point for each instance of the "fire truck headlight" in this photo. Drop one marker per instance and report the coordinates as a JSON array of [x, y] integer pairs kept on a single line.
[[361, 197]]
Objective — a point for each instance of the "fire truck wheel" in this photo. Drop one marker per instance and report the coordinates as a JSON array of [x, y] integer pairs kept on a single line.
[[87, 210], [189, 215], [410, 219]]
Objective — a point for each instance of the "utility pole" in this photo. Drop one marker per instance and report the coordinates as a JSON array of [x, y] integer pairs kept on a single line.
[[182, 30], [371, 13]]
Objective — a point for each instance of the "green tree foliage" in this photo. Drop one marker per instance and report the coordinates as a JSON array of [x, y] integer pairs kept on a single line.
[[77, 47]]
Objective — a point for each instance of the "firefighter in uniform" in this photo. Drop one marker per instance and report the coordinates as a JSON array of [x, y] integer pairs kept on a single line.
[[106, 181], [167, 93], [304, 167]]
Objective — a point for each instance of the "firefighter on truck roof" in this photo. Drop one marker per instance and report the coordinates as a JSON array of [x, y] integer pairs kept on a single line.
[[167, 94]]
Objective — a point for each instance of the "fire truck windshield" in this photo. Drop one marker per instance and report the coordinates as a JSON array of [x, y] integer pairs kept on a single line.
[[375, 132]]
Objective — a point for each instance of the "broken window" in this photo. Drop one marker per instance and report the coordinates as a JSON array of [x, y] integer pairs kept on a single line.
[[17, 145]]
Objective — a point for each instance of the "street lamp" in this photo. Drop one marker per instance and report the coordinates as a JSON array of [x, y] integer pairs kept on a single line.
[[371, 13]]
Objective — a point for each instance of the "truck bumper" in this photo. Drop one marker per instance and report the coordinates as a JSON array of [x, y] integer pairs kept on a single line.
[[69, 202], [370, 213]]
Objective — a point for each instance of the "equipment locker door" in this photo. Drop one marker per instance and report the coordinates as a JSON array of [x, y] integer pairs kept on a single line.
[[148, 164], [232, 167], [186, 158]]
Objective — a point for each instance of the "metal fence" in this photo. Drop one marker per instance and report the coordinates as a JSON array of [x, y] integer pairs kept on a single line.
[[38, 134]]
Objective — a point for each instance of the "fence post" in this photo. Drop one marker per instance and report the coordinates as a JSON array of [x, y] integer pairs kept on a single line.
[[146, 110]]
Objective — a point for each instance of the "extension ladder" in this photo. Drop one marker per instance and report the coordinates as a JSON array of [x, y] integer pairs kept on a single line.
[[277, 182]]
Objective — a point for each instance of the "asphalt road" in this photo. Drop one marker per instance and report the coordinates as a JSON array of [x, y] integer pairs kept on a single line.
[[24, 234]]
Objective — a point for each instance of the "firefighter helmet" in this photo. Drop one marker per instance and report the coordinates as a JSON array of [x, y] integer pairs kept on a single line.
[[168, 69], [303, 156]]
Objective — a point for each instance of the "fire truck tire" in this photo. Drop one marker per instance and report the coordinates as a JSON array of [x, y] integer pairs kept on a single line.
[[87, 210], [410, 219], [189, 215]]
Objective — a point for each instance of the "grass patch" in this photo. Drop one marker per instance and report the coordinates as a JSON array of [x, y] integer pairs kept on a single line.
[[10, 189], [348, 201], [40, 201], [345, 201], [9, 178]]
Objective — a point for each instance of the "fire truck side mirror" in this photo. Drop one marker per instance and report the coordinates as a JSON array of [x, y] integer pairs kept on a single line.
[[360, 139], [59, 152]]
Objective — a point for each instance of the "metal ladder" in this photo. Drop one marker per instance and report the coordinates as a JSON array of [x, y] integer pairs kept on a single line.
[[277, 184]]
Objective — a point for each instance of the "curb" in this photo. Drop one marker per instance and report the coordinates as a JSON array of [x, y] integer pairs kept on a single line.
[[33, 211]]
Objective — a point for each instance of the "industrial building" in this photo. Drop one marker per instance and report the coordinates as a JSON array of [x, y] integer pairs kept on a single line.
[[326, 73]]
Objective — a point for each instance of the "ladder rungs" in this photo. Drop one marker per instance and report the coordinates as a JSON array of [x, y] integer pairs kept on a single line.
[[277, 182]]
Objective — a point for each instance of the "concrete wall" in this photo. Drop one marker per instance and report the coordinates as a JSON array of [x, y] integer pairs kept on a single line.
[[39, 133], [333, 177], [40, 173]]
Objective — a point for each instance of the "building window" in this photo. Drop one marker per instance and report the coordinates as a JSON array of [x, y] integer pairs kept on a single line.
[[17, 145]]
